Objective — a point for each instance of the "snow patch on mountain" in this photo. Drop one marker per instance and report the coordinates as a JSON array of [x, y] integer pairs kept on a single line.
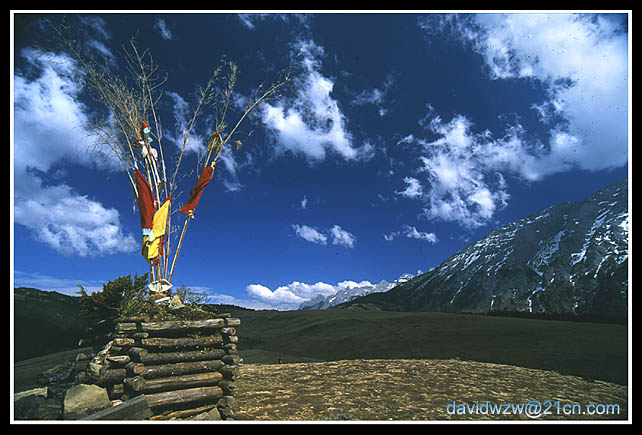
[[349, 291]]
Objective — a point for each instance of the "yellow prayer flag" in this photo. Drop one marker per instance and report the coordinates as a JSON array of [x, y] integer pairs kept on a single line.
[[151, 247]]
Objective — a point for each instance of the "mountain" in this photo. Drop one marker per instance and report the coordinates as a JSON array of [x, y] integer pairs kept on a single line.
[[45, 322], [568, 259], [346, 294]]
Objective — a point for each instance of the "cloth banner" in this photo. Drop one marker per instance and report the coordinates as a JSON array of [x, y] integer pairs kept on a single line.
[[197, 191], [153, 242], [145, 202]]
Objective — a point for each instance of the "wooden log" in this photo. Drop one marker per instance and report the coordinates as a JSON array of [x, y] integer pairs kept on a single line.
[[175, 357], [232, 321], [181, 325], [135, 383], [184, 413], [122, 327], [187, 342], [165, 370], [119, 359], [134, 368], [44, 391], [184, 396], [112, 376], [118, 350], [123, 335], [134, 409], [180, 382], [136, 353], [135, 318], [228, 330], [122, 342]]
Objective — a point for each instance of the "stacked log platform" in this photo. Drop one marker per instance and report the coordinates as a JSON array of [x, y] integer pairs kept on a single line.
[[182, 367]]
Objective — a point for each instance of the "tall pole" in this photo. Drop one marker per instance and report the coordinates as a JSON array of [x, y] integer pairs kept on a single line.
[[189, 216]]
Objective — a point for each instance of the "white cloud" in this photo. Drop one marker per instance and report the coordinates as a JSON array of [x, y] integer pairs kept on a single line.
[[290, 296], [49, 122], [72, 224], [310, 234], [461, 168], [312, 123], [411, 232], [161, 26], [342, 237], [338, 235], [582, 60], [182, 115], [413, 188], [376, 96], [304, 202]]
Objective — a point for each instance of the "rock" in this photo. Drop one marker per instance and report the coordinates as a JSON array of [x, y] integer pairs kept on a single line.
[[227, 406], [211, 415], [25, 408], [82, 400], [37, 407], [50, 409], [60, 373]]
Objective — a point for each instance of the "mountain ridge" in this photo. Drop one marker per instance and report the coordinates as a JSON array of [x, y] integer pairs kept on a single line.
[[570, 258], [346, 294]]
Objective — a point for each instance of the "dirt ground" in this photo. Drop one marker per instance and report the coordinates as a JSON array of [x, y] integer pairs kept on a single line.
[[404, 390]]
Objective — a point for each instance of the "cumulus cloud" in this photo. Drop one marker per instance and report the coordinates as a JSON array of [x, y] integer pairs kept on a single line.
[[49, 125], [412, 232], [290, 296], [310, 234], [462, 169], [312, 123], [336, 234], [580, 60], [342, 237], [413, 188]]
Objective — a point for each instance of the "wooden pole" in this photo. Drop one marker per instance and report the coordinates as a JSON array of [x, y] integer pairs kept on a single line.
[[184, 396], [180, 243]]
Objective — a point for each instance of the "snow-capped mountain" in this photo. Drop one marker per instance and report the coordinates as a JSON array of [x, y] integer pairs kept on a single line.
[[570, 258], [349, 293]]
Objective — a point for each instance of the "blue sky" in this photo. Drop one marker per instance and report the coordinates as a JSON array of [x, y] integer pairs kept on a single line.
[[406, 137]]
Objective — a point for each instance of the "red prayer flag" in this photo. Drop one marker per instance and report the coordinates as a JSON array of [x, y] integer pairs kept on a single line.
[[197, 191], [145, 201]]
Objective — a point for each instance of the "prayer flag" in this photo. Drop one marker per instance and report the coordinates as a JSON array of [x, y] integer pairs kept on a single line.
[[145, 201], [151, 243], [197, 191]]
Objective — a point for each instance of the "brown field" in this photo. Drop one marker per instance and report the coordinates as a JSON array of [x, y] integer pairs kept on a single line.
[[407, 389]]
